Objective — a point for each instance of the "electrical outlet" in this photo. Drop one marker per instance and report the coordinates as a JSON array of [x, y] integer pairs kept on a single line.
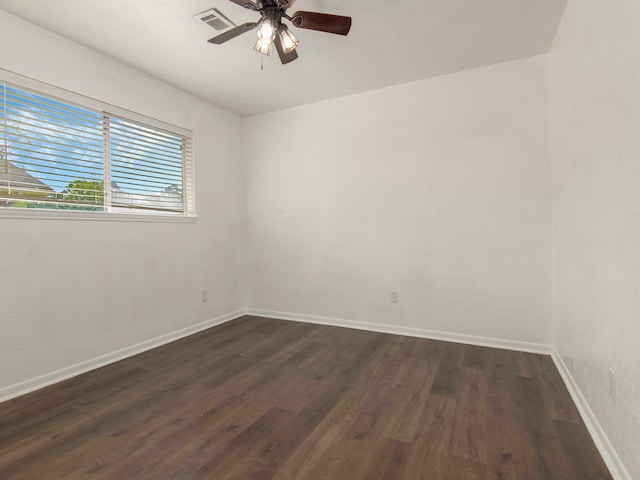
[[203, 296], [612, 384], [394, 296]]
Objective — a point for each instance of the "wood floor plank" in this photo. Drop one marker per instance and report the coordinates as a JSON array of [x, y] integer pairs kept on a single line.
[[476, 357], [265, 399], [315, 455], [559, 405], [464, 469], [414, 384], [584, 459], [257, 450], [428, 455], [545, 458], [181, 454], [507, 442], [469, 433], [449, 376], [388, 461]]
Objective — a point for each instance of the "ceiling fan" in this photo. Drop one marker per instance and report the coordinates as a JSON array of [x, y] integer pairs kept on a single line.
[[271, 30]]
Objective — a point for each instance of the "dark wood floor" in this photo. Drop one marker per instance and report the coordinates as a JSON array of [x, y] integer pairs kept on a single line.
[[265, 399]]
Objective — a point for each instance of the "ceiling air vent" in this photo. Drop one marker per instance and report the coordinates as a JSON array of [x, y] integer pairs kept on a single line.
[[215, 19]]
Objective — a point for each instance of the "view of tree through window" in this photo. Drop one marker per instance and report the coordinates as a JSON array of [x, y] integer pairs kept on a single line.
[[55, 155]]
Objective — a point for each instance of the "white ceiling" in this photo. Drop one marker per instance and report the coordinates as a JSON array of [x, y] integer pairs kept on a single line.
[[391, 42]]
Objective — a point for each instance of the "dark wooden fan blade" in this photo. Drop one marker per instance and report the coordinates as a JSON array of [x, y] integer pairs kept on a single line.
[[246, 4], [322, 22], [233, 33], [284, 57]]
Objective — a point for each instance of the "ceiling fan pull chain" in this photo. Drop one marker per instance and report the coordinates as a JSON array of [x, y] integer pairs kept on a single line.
[[261, 64]]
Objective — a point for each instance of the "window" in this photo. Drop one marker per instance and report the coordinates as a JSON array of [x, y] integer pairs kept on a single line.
[[59, 155]]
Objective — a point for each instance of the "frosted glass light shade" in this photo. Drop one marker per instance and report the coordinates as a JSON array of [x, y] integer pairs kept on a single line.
[[262, 47], [267, 30], [289, 40]]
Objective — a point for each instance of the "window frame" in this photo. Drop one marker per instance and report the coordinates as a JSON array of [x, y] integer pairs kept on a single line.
[[106, 109]]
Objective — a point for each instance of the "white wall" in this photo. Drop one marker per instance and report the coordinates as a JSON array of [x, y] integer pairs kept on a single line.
[[75, 290], [439, 188], [595, 99]]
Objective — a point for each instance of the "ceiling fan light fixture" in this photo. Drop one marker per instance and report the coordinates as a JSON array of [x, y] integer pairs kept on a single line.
[[289, 40], [267, 30], [271, 30], [262, 47]]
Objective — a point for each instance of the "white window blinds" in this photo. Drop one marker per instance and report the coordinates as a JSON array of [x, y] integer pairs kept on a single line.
[[58, 155]]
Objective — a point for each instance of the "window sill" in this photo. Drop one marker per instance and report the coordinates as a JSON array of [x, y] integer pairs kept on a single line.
[[42, 214]]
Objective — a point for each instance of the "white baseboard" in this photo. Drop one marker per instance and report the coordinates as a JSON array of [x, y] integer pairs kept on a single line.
[[37, 383], [407, 331], [609, 455]]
